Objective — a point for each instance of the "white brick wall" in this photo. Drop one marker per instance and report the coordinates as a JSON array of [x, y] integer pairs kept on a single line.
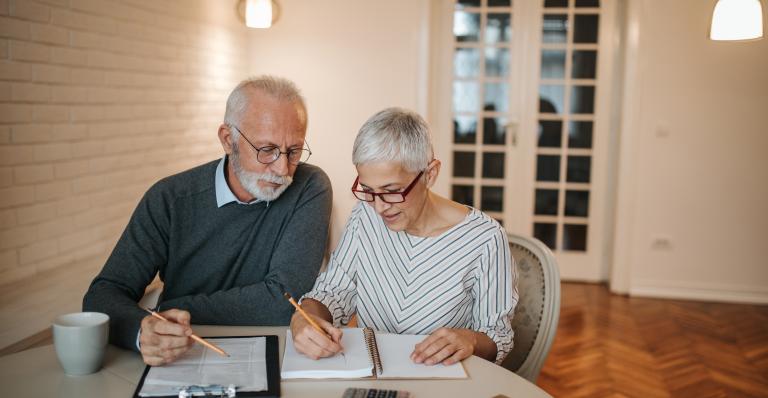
[[98, 100]]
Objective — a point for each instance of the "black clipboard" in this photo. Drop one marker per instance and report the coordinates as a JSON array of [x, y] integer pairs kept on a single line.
[[272, 355]]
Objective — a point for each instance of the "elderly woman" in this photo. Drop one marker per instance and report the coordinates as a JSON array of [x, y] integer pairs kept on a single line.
[[410, 261]]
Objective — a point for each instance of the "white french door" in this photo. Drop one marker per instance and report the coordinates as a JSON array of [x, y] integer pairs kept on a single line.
[[521, 112]]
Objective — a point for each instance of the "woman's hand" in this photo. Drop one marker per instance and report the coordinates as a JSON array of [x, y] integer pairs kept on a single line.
[[312, 343], [446, 346]]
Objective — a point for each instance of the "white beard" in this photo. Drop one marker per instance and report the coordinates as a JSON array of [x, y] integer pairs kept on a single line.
[[250, 180]]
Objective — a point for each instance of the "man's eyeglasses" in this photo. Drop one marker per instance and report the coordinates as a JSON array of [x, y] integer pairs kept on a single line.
[[270, 153], [386, 197]]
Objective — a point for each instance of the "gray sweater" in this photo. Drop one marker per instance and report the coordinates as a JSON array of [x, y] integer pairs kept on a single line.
[[227, 265]]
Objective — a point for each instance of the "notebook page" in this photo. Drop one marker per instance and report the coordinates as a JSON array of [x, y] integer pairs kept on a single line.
[[246, 368], [354, 363], [395, 351]]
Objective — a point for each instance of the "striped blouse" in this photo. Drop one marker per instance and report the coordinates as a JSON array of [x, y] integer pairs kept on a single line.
[[400, 283]]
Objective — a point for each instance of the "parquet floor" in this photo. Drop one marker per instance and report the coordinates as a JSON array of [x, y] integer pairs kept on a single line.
[[615, 346]]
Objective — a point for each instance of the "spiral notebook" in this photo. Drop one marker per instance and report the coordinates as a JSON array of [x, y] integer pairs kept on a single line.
[[366, 354]]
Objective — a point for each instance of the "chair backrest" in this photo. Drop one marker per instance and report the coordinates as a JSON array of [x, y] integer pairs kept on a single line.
[[538, 308]]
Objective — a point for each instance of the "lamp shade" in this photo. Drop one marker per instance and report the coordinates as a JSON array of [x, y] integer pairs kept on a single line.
[[737, 20], [258, 13]]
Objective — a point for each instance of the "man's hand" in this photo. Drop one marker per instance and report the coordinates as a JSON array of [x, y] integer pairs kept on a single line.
[[162, 342], [312, 343], [446, 346]]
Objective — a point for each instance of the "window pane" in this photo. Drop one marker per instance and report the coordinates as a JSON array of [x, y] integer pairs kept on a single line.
[[555, 3], [551, 98], [578, 169], [466, 62], [496, 62], [463, 194], [545, 232], [546, 202], [550, 133], [492, 198], [499, 3], [466, 26], [466, 96], [553, 64], [583, 99], [584, 64], [494, 131], [587, 3], [463, 164], [575, 237], [496, 97], [580, 135], [493, 165], [555, 28], [548, 168], [577, 203], [464, 129], [498, 28], [585, 28]]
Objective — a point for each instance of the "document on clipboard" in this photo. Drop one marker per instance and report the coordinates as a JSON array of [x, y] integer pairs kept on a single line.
[[251, 370]]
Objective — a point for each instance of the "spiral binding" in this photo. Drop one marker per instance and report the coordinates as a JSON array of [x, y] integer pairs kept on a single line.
[[373, 350]]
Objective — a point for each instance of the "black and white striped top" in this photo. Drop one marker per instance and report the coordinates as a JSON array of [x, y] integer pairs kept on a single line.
[[400, 283]]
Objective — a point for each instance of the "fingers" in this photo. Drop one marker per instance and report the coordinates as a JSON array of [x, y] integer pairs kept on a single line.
[[177, 316], [161, 342], [445, 345], [312, 343]]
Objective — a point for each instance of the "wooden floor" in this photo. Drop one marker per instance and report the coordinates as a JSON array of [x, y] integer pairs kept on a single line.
[[614, 346]]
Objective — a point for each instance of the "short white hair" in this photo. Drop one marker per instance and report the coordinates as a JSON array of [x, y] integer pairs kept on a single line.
[[394, 134], [275, 87]]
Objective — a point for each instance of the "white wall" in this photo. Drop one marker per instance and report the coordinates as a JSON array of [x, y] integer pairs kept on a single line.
[[350, 59], [692, 218]]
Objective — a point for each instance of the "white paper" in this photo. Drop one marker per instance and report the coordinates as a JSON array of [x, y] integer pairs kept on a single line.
[[353, 364], [395, 351], [246, 368]]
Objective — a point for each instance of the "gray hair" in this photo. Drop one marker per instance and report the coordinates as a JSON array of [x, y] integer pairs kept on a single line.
[[275, 87], [394, 134]]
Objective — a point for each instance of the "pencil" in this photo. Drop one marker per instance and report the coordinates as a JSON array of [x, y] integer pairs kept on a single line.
[[193, 336]]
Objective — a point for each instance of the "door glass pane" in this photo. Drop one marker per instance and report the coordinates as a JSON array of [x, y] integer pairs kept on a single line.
[[551, 98], [584, 64], [577, 203], [496, 62], [498, 29], [464, 129], [467, 3], [494, 130], [556, 3], [574, 237], [496, 97], [587, 3], [548, 168], [578, 169], [555, 28], [580, 134], [492, 198], [546, 202], [463, 194], [463, 164], [585, 28], [583, 99], [466, 62], [493, 165], [550, 133], [545, 232], [466, 26], [466, 96], [553, 64]]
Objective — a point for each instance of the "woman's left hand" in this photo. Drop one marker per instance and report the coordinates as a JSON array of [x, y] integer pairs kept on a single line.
[[446, 346]]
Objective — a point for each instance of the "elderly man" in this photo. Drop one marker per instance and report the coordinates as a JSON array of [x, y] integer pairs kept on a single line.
[[227, 237]]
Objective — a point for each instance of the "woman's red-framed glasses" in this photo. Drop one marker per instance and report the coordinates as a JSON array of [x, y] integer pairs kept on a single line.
[[386, 197]]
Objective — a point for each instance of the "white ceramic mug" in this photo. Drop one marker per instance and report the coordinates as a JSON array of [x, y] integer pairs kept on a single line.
[[80, 340]]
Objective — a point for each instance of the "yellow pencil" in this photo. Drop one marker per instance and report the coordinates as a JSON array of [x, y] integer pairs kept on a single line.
[[193, 336]]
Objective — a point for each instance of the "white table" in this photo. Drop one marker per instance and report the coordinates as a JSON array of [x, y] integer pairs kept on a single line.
[[36, 373]]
